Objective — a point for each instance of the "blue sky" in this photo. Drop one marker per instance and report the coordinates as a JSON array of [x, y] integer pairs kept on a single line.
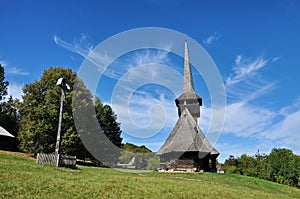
[[254, 44]]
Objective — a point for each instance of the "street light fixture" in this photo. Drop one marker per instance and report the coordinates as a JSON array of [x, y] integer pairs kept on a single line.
[[64, 84]]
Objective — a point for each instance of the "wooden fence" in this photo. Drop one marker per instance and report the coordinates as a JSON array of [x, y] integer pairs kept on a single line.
[[64, 160], [43, 158]]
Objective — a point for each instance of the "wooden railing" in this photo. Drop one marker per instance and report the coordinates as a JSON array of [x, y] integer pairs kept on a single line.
[[65, 160]]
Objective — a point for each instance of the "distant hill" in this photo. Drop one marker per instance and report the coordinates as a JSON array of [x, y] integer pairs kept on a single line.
[[136, 149]]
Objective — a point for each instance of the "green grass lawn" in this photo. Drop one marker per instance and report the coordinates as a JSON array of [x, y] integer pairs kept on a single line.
[[21, 177]]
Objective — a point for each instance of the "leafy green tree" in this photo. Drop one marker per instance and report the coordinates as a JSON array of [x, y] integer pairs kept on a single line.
[[9, 120], [247, 165], [97, 126], [260, 164], [3, 84], [230, 165], [9, 117], [108, 122], [40, 110], [281, 167], [153, 163], [298, 166], [251, 165]]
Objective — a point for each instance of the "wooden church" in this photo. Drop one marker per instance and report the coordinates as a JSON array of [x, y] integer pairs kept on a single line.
[[186, 148]]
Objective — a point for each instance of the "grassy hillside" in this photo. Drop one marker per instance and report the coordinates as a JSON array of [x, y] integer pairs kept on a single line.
[[20, 177]]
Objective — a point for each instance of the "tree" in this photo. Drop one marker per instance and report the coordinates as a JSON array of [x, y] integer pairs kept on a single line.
[[260, 164], [298, 166], [39, 116], [9, 120], [3, 84], [9, 117], [153, 163], [39, 112], [247, 165], [230, 165], [281, 167], [108, 122], [251, 165]]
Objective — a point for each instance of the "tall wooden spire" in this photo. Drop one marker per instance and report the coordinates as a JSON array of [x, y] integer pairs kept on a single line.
[[188, 85], [188, 99]]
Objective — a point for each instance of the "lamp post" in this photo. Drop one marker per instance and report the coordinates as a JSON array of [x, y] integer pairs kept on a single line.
[[63, 83]]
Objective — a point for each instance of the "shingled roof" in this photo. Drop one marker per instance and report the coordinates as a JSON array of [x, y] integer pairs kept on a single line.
[[186, 136]]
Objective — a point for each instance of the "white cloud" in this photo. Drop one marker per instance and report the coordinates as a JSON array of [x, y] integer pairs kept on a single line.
[[245, 82], [3, 63], [145, 115], [84, 48], [101, 60], [240, 147], [242, 120], [142, 103], [248, 120], [15, 90], [16, 71], [275, 59], [235, 149], [12, 70], [149, 56], [244, 68], [79, 46], [286, 130], [140, 58], [212, 38], [259, 129]]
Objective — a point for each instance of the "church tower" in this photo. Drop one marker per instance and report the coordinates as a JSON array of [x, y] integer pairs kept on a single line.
[[188, 98], [186, 148]]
